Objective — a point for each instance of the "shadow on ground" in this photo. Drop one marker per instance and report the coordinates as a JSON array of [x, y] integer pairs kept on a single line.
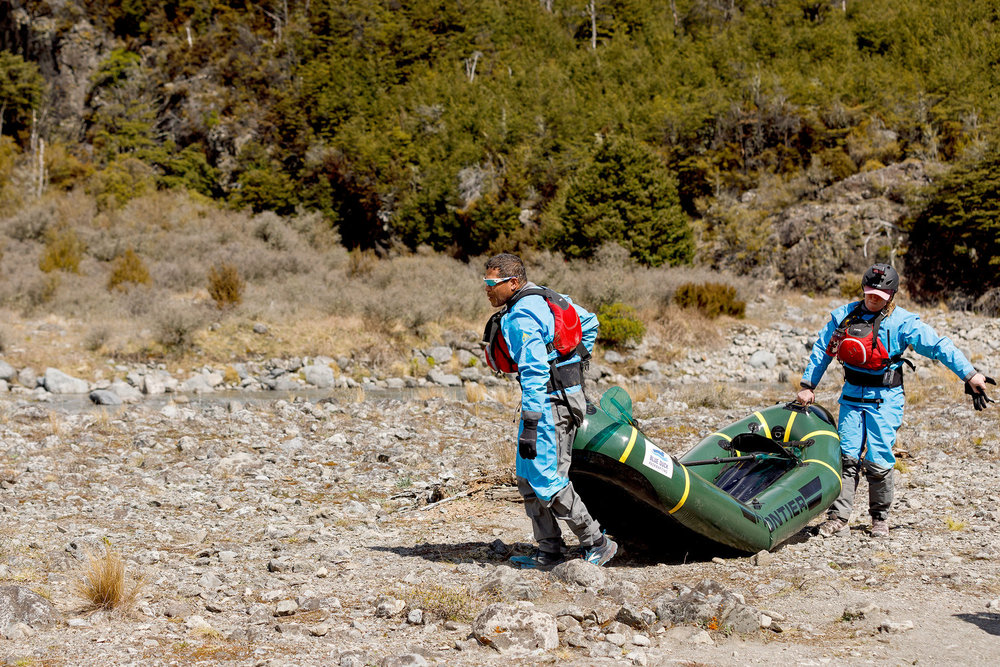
[[451, 553], [988, 622]]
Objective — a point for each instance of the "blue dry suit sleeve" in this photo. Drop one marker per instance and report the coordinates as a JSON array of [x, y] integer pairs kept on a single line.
[[925, 341], [819, 360], [523, 331], [589, 324]]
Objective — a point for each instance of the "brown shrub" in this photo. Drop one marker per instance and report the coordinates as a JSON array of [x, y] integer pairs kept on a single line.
[[128, 269], [225, 285], [63, 250], [711, 299]]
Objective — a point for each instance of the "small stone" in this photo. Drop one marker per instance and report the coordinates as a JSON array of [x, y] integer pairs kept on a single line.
[[286, 608]]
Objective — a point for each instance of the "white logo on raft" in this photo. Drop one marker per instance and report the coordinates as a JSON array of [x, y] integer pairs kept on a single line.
[[658, 460]]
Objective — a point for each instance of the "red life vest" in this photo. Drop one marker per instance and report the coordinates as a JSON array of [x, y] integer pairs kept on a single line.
[[567, 340], [855, 341]]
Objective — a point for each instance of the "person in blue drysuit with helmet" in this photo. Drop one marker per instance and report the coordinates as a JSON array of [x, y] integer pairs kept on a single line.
[[551, 410], [869, 337]]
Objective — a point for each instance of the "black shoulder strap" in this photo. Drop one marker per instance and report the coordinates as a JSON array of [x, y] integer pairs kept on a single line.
[[546, 293]]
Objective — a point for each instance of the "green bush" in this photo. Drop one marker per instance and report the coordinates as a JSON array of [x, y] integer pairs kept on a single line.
[[128, 268], [711, 299], [619, 325]]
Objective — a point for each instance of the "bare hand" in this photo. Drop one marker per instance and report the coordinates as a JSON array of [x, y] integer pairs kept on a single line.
[[806, 396]]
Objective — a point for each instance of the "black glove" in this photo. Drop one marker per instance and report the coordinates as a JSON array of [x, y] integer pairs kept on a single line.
[[979, 398], [529, 435]]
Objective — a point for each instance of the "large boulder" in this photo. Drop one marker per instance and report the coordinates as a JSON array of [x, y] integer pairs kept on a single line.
[[58, 382], [21, 605], [515, 629]]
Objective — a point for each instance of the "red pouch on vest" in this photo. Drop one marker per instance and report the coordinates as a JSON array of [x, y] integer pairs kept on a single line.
[[566, 339], [856, 342]]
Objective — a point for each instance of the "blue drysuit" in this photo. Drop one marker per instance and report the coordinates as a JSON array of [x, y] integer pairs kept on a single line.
[[544, 480], [880, 421], [869, 428]]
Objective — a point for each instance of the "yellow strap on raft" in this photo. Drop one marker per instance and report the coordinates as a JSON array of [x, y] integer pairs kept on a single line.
[[631, 444], [687, 488], [788, 426], [830, 433], [829, 467], [763, 422]]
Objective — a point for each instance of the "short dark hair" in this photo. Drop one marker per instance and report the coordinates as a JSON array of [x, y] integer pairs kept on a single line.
[[509, 266]]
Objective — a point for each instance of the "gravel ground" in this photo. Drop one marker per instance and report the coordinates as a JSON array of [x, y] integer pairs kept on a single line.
[[349, 532]]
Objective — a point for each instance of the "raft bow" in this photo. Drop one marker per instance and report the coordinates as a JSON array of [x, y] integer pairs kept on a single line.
[[749, 486]]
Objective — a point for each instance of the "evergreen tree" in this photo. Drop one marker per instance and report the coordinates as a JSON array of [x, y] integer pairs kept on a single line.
[[20, 94], [625, 195], [955, 239]]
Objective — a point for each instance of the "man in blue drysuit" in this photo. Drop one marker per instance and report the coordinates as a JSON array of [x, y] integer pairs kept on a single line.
[[549, 417]]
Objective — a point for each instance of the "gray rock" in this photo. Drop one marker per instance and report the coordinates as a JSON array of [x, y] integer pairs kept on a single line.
[[126, 392], [613, 357], [27, 377], [7, 372], [158, 382], [259, 328], [387, 607], [743, 619], [20, 605], [505, 582], [706, 602], [650, 366], [580, 572], [893, 627], [515, 629], [470, 374], [441, 354], [763, 359], [286, 608], [319, 375], [105, 397], [57, 382], [197, 384], [437, 376], [405, 660]]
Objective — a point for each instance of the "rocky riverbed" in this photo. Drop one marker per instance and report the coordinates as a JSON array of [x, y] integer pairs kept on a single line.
[[351, 529]]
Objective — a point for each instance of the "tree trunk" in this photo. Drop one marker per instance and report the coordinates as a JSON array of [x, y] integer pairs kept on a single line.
[[592, 8]]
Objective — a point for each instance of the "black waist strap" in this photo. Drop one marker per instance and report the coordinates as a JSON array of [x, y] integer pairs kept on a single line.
[[563, 377], [891, 377], [858, 399]]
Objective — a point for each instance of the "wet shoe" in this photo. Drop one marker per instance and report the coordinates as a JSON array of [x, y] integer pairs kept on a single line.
[[540, 560], [601, 553], [880, 528], [832, 527]]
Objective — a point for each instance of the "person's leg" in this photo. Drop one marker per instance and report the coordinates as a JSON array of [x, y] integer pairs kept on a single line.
[[844, 504], [880, 490], [546, 530], [853, 435], [567, 504], [883, 424]]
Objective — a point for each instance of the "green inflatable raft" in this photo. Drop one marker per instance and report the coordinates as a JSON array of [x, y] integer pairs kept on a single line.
[[749, 486]]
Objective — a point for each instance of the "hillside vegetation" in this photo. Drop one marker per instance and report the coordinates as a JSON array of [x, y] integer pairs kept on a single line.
[[477, 125]]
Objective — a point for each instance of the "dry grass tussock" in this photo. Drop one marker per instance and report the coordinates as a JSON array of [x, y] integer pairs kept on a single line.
[[104, 583], [315, 297]]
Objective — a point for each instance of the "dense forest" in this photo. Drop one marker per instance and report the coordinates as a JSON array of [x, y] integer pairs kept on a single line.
[[474, 125]]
